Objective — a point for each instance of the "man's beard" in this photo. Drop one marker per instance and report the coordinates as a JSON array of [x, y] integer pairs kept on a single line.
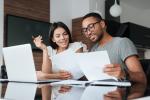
[[100, 37]]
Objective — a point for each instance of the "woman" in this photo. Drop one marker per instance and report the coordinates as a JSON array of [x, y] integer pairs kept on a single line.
[[60, 40]]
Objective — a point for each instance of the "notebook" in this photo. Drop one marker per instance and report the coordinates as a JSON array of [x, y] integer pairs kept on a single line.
[[20, 64]]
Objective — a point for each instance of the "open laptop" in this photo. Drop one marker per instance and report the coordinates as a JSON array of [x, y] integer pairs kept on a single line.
[[20, 91], [20, 64]]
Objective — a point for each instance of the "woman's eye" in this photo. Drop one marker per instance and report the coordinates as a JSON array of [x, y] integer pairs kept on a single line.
[[57, 36]]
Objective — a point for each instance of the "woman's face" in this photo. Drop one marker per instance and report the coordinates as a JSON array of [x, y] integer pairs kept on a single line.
[[61, 37]]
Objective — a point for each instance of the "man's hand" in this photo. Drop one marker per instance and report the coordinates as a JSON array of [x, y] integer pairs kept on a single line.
[[114, 70]]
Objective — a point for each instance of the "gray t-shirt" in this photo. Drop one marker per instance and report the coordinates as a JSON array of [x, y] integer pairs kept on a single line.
[[118, 50]]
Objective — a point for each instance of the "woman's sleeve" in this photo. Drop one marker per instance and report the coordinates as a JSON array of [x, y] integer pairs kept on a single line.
[[76, 46], [49, 48]]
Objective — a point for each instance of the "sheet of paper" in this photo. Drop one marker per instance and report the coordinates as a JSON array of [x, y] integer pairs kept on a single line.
[[112, 83], [71, 82], [92, 65], [66, 61]]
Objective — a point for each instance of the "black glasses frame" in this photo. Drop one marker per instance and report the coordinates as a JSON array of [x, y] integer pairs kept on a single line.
[[89, 27]]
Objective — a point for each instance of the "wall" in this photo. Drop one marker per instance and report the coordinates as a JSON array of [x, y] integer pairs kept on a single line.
[[98, 6], [138, 16], [60, 10], [66, 10], [79, 8], [135, 15], [1, 28], [33, 9]]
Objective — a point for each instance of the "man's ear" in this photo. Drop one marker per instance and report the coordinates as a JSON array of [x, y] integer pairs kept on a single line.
[[103, 24]]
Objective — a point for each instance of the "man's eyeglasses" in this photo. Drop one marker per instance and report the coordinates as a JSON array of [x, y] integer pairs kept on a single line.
[[89, 27]]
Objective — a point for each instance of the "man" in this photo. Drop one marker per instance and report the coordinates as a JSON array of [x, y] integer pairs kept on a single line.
[[122, 52]]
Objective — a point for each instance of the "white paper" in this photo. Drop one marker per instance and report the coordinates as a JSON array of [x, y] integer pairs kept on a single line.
[[66, 61], [71, 82], [92, 65], [115, 83]]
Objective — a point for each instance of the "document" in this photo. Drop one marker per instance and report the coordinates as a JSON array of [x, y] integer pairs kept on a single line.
[[92, 65], [111, 83], [72, 83], [66, 61]]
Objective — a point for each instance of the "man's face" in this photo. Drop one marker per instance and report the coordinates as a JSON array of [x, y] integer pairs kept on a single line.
[[92, 28]]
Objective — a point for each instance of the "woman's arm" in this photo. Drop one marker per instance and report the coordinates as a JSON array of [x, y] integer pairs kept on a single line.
[[58, 75], [46, 64]]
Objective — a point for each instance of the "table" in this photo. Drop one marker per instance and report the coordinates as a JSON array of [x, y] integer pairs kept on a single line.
[[30, 91]]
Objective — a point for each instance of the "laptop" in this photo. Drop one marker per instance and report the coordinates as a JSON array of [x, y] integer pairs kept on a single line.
[[20, 91], [20, 65]]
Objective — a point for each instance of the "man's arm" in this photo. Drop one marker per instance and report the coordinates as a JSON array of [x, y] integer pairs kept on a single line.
[[135, 70]]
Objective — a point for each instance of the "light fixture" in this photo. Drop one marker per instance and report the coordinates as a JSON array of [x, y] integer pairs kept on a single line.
[[115, 10]]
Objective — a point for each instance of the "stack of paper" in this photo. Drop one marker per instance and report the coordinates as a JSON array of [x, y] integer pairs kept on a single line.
[[72, 83], [92, 83], [111, 83], [91, 64]]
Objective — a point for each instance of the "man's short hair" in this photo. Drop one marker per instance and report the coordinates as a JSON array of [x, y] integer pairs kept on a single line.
[[93, 14]]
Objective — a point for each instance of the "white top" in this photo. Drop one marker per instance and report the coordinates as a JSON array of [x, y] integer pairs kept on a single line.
[[73, 46]]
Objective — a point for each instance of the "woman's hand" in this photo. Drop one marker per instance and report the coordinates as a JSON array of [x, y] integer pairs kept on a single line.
[[39, 42], [63, 75], [114, 70]]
